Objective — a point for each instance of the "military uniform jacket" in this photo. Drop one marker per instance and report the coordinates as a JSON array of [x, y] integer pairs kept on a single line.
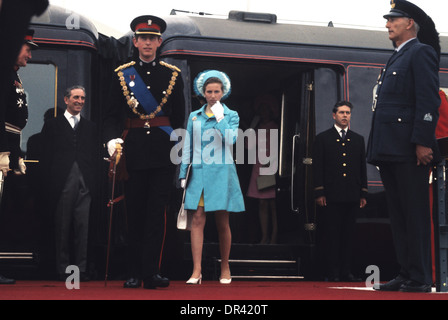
[[339, 166], [16, 118], [406, 110], [147, 148]]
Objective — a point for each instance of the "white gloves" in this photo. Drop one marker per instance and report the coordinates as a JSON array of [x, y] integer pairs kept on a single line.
[[183, 183], [22, 168], [218, 111], [111, 145], [4, 162]]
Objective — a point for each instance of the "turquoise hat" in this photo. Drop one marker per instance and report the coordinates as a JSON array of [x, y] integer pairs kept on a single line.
[[205, 75]]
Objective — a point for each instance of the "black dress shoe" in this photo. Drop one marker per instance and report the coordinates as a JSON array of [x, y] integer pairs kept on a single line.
[[414, 286], [156, 281], [133, 283], [4, 280], [393, 285]]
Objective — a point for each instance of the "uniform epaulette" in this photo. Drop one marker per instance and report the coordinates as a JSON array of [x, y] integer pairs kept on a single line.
[[124, 66], [172, 67]]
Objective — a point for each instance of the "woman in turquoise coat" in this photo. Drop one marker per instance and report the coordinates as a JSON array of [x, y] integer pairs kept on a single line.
[[213, 184]]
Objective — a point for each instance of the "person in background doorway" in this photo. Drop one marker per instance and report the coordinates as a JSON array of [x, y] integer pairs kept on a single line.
[[265, 106]]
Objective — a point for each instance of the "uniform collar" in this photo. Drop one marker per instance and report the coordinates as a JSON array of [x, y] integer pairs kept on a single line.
[[145, 64], [338, 129], [403, 44]]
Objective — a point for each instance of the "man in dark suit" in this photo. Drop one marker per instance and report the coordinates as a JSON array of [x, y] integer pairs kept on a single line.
[[70, 150], [340, 182], [402, 140], [148, 100]]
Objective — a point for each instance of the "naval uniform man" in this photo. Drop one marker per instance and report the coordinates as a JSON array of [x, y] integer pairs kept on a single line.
[[147, 103]]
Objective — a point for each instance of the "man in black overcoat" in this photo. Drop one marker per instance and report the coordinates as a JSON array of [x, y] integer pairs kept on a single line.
[[69, 158], [147, 104], [402, 141], [340, 187]]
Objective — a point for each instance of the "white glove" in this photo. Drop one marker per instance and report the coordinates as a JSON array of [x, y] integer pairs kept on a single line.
[[218, 111], [111, 145], [22, 168], [4, 162], [183, 183]]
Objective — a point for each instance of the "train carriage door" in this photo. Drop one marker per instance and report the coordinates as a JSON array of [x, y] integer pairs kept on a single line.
[[306, 109], [295, 129]]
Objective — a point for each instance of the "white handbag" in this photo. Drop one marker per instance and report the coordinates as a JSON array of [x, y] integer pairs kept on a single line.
[[183, 217]]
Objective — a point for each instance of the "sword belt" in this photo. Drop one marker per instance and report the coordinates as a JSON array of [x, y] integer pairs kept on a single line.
[[133, 123]]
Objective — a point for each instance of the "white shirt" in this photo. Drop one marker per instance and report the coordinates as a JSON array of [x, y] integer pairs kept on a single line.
[[69, 118], [339, 130]]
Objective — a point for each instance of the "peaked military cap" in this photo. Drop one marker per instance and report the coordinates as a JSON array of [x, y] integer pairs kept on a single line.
[[427, 33], [402, 8], [148, 25], [29, 39]]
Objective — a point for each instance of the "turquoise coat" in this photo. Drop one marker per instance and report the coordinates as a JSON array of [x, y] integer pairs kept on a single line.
[[208, 146]]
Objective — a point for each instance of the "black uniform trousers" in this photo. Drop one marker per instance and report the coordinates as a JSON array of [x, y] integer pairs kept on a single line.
[[407, 192], [337, 223], [147, 194], [72, 222]]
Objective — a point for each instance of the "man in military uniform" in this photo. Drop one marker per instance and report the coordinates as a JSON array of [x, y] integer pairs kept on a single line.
[[16, 117], [340, 182], [402, 140], [146, 105]]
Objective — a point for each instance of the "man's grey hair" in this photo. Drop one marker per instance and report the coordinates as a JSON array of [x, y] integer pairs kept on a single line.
[[68, 92]]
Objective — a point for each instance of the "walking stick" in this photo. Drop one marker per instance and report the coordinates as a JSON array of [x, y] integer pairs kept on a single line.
[[115, 159]]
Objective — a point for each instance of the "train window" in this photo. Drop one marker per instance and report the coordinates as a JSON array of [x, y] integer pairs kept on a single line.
[[39, 81]]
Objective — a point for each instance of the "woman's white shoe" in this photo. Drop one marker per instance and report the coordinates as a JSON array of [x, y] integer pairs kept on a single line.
[[225, 281], [195, 280]]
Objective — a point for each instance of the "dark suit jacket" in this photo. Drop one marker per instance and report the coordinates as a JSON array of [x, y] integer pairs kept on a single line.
[[407, 105], [339, 167], [62, 146]]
